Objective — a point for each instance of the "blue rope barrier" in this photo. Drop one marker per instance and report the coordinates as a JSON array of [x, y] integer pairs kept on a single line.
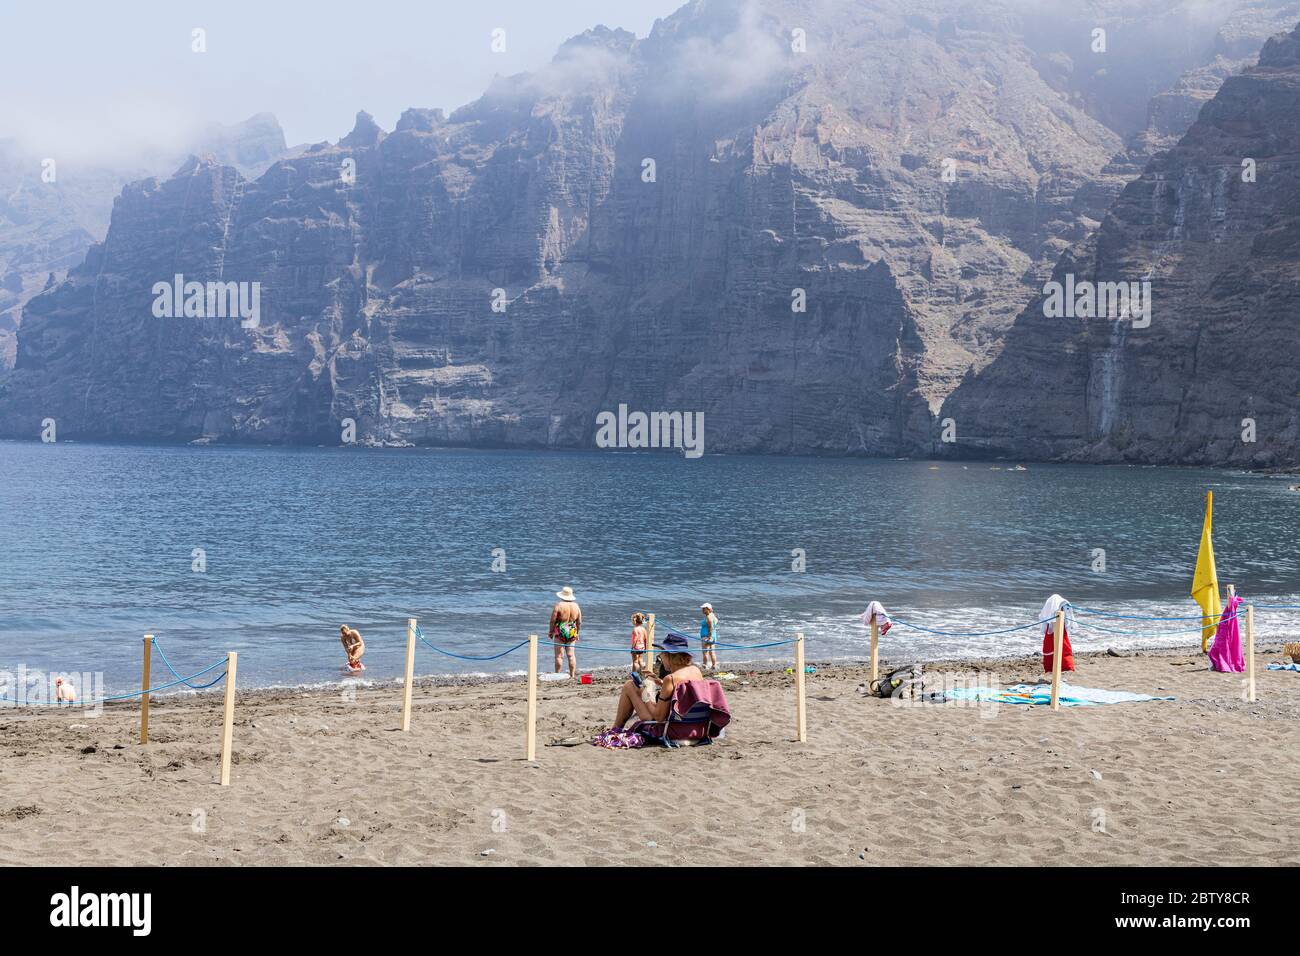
[[1141, 617], [792, 640], [723, 644], [419, 632], [628, 649], [1175, 632], [105, 700], [175, 673], [1282, 607], [1008, 630]]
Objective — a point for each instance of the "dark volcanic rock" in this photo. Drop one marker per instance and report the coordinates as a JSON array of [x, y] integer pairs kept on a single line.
[[778, 173], [47, 227], [1221, 351]]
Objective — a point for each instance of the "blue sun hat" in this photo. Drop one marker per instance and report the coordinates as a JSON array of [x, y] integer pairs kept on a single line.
[[673, 643]]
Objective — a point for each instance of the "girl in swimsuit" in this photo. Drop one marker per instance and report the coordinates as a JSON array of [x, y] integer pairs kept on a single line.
[[638, 642]]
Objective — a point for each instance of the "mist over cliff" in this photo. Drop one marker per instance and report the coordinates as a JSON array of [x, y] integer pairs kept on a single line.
[[1209, 376], [809, 221]]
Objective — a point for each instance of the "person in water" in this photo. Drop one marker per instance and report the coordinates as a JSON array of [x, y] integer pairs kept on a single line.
[[709, 636], [566, 622], [638, 642], [353, 645], [675, 666]]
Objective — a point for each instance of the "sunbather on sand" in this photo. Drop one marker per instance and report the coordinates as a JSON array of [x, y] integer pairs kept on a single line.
[[677, 665], [353, 645]]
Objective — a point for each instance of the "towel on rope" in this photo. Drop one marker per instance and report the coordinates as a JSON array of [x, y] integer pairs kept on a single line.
[[1225, 654], [1054, 604], [877, 610], [1070, 696]]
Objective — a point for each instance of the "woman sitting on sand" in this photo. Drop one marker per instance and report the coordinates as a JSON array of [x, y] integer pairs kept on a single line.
[[675, 660], [354, 646]]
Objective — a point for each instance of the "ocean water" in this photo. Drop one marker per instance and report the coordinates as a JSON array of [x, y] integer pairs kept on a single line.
[[97, 548]]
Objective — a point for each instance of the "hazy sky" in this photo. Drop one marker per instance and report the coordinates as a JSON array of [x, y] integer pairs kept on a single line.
[[96, 76]]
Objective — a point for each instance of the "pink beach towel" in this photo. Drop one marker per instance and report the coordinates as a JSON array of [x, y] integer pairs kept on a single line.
[[1225, 653]]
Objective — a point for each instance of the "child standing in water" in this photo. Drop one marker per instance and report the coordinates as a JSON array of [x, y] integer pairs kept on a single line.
[[709, 636], [354, 646], [638, 642]]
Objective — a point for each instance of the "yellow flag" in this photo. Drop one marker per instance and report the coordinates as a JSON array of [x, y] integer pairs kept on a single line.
[[1205, 583]]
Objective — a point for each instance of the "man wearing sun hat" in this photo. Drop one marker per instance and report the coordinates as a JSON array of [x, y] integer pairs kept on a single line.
[[566, 622]]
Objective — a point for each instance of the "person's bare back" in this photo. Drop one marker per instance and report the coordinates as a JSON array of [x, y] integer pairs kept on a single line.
[[564, 629], [566, 611]]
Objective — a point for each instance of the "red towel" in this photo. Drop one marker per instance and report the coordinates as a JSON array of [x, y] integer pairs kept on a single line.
[[1049, 646]]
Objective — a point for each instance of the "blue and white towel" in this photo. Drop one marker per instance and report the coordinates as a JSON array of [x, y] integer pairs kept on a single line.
[[1070, 696]]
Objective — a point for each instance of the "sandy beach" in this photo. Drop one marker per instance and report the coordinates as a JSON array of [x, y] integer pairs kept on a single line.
[[324, 778]]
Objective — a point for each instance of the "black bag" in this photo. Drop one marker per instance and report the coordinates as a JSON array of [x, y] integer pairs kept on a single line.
[[891, 684]]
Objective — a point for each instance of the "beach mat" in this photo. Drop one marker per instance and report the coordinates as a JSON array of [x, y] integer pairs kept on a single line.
[[1283, 667], [1070, 696]]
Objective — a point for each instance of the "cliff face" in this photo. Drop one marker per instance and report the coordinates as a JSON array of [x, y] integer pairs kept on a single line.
[[46, 227], [1216, 367], [629, 226]]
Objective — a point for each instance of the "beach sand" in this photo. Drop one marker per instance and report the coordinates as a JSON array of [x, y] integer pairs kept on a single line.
[[319, 778]]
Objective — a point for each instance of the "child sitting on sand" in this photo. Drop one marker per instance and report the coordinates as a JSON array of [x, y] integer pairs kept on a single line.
[[638, 642], [354, 646]]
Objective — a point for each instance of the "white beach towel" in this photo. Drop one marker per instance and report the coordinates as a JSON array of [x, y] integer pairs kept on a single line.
[[1054, 604], [877, 610]]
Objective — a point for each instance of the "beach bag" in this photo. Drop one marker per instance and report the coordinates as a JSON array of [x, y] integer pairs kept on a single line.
[[618, 740], [885, 687]]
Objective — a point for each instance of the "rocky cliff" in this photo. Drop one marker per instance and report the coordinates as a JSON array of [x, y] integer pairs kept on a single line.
[[1214, 226], [50, 215], [807, 220]]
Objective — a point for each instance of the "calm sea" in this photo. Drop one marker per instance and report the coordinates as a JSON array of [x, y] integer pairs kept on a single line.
[[99, 546]]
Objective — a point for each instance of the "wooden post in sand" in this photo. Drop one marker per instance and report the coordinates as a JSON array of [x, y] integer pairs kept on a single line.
[[144, 691], [1057, 647], [875, 656], [1250, 653], [228, 724], [800, 714], [410, 673], [530, 731], [650, 643]]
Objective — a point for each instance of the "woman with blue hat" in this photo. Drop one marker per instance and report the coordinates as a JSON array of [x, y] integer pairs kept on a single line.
[[675, 658]]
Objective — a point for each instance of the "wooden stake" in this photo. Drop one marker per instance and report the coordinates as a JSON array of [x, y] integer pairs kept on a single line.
[[410, 673], [1250, 653], [144, 687], [800, 714], [530, 733], [1057, 647], [875, 658], [228, 726], [650, 644]]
